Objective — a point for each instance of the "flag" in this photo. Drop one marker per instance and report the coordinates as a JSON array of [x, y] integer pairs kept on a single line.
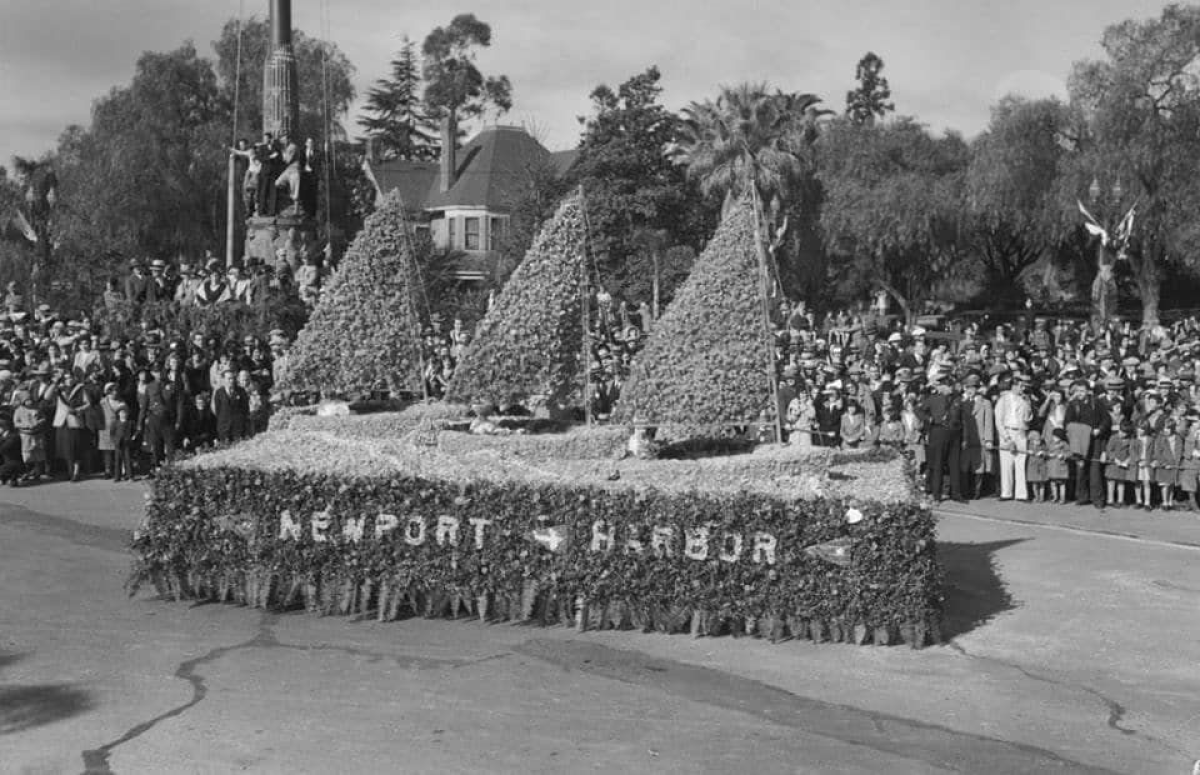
[[836, 552]]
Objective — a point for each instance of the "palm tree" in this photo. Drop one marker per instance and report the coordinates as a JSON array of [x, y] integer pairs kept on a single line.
[[750, 137]]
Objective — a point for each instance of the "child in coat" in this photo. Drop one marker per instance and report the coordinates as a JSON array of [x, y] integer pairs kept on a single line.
[[1036, 471], [1058, 452], [1116, 464]]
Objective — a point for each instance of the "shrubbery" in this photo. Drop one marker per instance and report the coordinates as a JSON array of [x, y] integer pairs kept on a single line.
[[365, 332], [705, 362], [530, 342], [225, 321]]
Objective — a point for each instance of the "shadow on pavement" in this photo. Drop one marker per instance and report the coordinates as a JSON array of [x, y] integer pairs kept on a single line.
[[975, 593], [25, 707]]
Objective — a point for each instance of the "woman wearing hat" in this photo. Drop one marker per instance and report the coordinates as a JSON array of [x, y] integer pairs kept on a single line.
[[1189, 474], [71, 435]]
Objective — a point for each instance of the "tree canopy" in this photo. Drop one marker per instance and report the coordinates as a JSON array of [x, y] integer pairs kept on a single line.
[[394, 117], [455, 89]]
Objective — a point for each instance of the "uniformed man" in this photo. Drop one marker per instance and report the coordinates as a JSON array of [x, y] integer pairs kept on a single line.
[[942, 414]]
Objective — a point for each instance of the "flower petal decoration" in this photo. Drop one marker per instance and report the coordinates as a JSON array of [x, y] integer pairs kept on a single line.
[[366, 306], [705, 361], [529, 342], [854, 516]]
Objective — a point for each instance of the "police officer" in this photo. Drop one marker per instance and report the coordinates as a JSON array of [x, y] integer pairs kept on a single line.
[[942, 413]]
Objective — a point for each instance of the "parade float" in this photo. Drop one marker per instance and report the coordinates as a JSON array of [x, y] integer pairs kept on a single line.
[[450, 509], [393, 515]]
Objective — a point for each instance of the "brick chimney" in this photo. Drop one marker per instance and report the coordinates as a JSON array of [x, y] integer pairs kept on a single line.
[[449, 152]]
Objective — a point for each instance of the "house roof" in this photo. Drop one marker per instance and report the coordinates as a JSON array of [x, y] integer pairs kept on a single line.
[[492, 172], [414, 179]]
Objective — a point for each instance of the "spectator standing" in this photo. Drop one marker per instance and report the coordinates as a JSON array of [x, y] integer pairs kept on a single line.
[[942, 414], [1013, 415]]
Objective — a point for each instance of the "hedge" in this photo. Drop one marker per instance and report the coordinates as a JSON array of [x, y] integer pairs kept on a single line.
[[546, 548], [364, 333], [529, 343], [705, 362]]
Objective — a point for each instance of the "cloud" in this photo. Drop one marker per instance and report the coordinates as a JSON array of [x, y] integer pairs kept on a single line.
[[946, 59]]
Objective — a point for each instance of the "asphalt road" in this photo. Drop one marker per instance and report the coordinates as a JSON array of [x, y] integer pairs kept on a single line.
[[1075, 648]]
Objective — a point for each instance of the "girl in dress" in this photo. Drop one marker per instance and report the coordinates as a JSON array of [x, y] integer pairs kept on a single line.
[[1116, 464], [1141, 454], [1036, 470], [1167, 458], [1058, 452], [802, 419], [1188, 476]]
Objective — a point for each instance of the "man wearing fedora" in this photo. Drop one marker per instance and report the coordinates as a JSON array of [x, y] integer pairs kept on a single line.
[[1088, 426]]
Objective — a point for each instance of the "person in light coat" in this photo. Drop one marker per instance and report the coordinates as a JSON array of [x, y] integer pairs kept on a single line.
[[1013, 414]]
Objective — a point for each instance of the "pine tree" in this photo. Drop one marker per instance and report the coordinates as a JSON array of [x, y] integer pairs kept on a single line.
[[705, 363], [364, 333], [870, 100], [393, 116], [529, 343]]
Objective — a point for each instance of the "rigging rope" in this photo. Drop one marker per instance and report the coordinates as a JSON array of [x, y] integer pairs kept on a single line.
[[325, 35], [237, 71]]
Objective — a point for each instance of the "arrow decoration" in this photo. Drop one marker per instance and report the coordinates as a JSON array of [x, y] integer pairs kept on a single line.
[[555, 538], [835, 552]]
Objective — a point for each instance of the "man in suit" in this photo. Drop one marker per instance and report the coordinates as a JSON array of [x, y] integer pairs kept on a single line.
[[231, 405], [979, 428], [1089, 424]]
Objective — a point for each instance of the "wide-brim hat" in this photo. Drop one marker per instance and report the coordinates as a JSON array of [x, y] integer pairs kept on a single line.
[[1131, 361], [158, 263], [1114, 383], [972, 380]]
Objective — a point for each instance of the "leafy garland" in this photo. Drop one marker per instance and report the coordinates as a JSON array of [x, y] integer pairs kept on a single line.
[[705, 361], [529, 342], [365, 331], [214, 533]]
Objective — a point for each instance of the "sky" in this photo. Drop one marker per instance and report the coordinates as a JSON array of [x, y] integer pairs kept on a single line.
[[948, 61]]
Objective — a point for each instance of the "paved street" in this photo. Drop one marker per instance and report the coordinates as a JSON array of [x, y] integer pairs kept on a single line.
[[1073, 650]]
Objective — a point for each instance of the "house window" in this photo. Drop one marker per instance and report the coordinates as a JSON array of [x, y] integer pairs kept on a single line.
[[451, 241], [495, 233], [471, 234]]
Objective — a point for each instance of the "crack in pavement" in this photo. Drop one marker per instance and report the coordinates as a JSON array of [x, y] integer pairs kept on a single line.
[[910, 739], [109, 539], [1116, 711], [95, 761]]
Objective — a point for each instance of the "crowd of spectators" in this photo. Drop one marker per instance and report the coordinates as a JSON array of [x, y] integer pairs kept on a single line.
[[211, 282], [74, 403], [1051, 411]]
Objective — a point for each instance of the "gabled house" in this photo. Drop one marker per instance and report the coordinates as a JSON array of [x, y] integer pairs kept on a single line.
[[466, 199]]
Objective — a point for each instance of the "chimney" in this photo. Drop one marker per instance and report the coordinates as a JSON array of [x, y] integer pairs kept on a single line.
[[449, 152]]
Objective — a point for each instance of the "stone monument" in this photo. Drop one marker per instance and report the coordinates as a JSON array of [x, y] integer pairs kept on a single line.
[[282, 229]]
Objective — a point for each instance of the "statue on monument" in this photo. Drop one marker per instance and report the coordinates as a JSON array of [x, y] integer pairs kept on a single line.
[[281, 195], [1112, 248]]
